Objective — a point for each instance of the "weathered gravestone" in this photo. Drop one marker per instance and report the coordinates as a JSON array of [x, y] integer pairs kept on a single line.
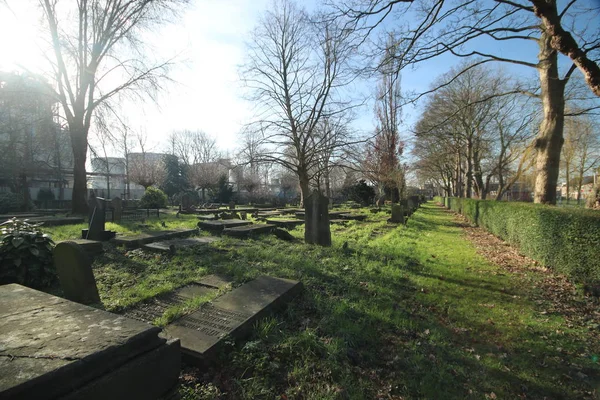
[[232, 205], [397, 214], [186, 202], [117, 205], [74, 268], [97, 220], [316, 218]]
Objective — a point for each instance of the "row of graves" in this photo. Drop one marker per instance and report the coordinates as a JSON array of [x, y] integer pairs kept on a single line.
[[70, 348], [404, 209]]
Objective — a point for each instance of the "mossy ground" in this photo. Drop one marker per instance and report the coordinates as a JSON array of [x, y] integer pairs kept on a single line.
[[388, 312]]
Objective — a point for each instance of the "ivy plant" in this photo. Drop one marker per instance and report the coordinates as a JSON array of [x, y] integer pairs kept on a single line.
[[25, 254]]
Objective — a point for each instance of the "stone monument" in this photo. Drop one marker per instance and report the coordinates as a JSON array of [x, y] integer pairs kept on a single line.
[[397, 214], [317, 220], [117, 205], [74, 268]]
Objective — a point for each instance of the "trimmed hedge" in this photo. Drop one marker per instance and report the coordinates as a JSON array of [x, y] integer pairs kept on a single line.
[[567, 240]]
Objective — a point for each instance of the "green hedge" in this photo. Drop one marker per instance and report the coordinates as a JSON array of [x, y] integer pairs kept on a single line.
[[567, 240]]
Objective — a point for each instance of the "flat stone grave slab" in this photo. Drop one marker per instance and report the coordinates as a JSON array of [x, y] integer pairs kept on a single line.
[[165, 245], [154, 308], [233, 314], [269, 213], [51, 347], [149, 237], [355, 217], [336, 213], [207, 217], [339, 221], [285, 223], [218, 226], [246, 209], [290, 210], [248, 230], [56, 221], [300, 214]]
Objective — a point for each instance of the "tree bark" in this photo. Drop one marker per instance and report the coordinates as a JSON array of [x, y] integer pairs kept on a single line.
[[550, 139], [79, 146]]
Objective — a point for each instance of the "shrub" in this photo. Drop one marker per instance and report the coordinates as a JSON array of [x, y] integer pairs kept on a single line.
[[25, 255], [45, 194], [360, 192], [567, 240], [9, 202], [153, 198]]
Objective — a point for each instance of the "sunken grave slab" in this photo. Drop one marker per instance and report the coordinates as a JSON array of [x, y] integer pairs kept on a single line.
[[285, 223], [355, 217], [218, 226], [207, 217], [165, 245], [269, 213], [339, 221], [233, 314], [149, 237], [156, 307], [51, 347], [55, 221], [242, 231]]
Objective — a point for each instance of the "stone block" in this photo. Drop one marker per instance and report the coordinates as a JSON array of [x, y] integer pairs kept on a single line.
[[50, 347]]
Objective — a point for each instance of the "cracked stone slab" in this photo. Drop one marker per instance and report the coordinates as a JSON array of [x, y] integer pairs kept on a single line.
[[242, 231], [136, 241], [165, 245], [285, 223], [233, 314], [49, 345], [218, 226]]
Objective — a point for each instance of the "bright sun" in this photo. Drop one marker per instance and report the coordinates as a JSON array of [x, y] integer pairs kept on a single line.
[[19, 37]]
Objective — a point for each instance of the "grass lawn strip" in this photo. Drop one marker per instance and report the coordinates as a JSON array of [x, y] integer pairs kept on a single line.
[[410, 312]]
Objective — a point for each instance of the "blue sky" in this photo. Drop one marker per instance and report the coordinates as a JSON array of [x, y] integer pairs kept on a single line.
[[211, 38]]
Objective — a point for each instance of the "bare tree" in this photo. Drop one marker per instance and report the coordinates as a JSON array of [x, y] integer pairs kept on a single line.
[[382, 161], [97, 54], [202, 159], [294, 71], [581, 152], [473, 132], [465, 29], [146, 168]]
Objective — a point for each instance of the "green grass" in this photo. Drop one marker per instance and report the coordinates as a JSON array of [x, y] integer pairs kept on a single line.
[[399, 312]]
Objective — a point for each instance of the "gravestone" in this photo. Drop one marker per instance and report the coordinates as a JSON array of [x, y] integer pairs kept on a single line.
[[316, 217], [232, 205], [117, 205], [97, 220], [244, 215], [397, 214], [186, 202], [74, 269]]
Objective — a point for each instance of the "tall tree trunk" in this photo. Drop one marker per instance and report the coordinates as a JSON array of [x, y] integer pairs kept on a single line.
[[550, 139], [79, 145], [469, 177]]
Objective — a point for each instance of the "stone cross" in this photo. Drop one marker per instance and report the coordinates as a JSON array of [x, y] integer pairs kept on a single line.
[[97, 206], [397, 214], [317, 220], [117, 205], [74, 268]]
